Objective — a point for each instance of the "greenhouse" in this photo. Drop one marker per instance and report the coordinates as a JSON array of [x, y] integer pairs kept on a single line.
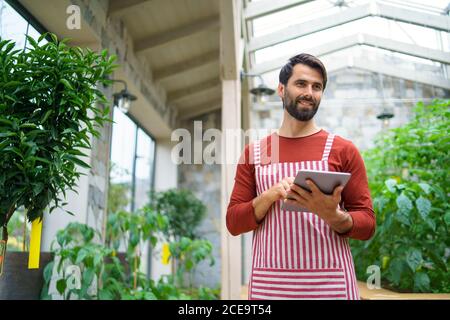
[[150, 149]]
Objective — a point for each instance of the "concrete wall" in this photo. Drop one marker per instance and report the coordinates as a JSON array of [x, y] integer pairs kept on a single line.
[[165, 178], [351, 102]]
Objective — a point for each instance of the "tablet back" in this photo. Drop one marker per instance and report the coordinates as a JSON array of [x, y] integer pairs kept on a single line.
[[327, 181]]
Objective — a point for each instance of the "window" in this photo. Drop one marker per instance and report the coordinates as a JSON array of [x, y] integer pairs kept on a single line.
[[16, 22], [132, 162]]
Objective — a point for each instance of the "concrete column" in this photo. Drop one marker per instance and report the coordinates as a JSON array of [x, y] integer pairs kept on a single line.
[[231, 246], [230, 52]]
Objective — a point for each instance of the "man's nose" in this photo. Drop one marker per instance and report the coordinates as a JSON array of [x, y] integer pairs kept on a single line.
[[308, 91]]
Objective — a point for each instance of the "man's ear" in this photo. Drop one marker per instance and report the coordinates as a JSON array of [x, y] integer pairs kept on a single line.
[[280, 90]]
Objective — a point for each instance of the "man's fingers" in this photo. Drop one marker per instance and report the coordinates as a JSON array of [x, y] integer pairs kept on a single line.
[[296, 196], [337, 191], [290, 180], [302, 192], [313, 186]]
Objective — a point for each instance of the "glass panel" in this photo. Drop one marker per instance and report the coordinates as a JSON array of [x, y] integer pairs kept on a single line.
[[122, 152], [12, 25], [144, 161]]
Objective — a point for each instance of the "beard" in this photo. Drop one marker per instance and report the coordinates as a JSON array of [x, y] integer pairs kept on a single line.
[[301, 113]]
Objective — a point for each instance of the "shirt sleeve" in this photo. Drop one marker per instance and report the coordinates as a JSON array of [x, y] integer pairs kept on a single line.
[[240, 216], [356, 195]]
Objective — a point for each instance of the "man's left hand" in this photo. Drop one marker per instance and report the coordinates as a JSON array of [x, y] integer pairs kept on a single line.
[[325, 206]]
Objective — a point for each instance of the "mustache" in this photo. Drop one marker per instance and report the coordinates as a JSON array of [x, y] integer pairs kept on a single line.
[[301, 98]]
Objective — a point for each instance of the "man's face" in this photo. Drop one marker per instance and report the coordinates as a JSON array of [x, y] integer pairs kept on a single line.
[[302, 94]]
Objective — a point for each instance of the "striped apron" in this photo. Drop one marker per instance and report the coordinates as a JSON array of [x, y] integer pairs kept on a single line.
[[296, 255]]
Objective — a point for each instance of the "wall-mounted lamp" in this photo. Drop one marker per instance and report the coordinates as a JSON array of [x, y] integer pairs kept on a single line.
[[384, 116], [123, 99], [262, 89]]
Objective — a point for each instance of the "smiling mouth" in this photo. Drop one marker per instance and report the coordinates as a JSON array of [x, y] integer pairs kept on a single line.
[[305, 103]]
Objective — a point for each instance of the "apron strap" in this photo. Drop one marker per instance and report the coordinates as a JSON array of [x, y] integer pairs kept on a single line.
[[327, 149], [257, 153]]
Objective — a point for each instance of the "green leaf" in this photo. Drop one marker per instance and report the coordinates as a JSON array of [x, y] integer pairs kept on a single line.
[[421, 282], [423, 206], [447, 218], [390, 184], [48, 271], [66, 84], [425, 187], [440, 263], [61, 286], [46, 115], [396, 269], [82, 254], [404, 203], [403, 217], [413, 259]]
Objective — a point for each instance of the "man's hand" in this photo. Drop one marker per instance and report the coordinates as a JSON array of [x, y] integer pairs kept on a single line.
[[280, 190], [325, 206], [264, 201]]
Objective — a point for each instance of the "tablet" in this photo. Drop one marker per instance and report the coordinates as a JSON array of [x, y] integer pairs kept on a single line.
[[326, 181]]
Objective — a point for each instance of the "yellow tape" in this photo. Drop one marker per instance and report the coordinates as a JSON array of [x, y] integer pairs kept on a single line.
[[165, 253], [35, 244]]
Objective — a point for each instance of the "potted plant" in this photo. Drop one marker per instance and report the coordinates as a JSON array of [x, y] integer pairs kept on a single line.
[[48, 112]]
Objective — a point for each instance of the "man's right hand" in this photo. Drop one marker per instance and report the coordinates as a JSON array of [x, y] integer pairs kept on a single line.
[[279, 190], [264, 201]]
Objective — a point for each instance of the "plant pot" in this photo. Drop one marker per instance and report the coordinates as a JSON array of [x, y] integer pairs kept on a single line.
[[17, 281]]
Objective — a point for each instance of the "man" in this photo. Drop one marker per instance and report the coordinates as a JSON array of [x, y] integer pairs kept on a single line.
[[301, 255]]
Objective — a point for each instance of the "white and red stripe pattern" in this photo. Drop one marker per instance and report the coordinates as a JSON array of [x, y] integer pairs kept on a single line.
[[289, 246], [298, 284]]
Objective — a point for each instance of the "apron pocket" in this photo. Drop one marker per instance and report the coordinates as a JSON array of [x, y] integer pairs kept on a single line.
[[298, 284]]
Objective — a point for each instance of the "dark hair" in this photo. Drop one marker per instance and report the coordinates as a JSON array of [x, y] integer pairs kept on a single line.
[[306, 59]]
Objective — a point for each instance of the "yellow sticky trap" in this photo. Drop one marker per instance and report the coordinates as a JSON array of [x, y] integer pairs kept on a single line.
[[165, 253], [35, 244]]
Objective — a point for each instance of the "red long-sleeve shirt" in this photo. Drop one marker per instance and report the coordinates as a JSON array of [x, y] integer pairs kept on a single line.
[[344, 157]]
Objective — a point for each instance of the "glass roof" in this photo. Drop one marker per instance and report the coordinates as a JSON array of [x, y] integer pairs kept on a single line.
[[372, 25]]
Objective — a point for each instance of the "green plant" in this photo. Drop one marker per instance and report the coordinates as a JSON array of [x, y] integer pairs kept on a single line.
[[408, 177], [104, 276], [182, 208], [131, 230], [48, 110], [77, 249], [189, 253]]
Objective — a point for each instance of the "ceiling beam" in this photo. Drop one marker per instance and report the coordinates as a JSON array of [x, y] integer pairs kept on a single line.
[[207, 107], [192, 90], [230, 43], [388, 70], [176, 34], [120, 7], [438, 22], [379, 67], [262, 8], [360, 39], [186, 66]]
